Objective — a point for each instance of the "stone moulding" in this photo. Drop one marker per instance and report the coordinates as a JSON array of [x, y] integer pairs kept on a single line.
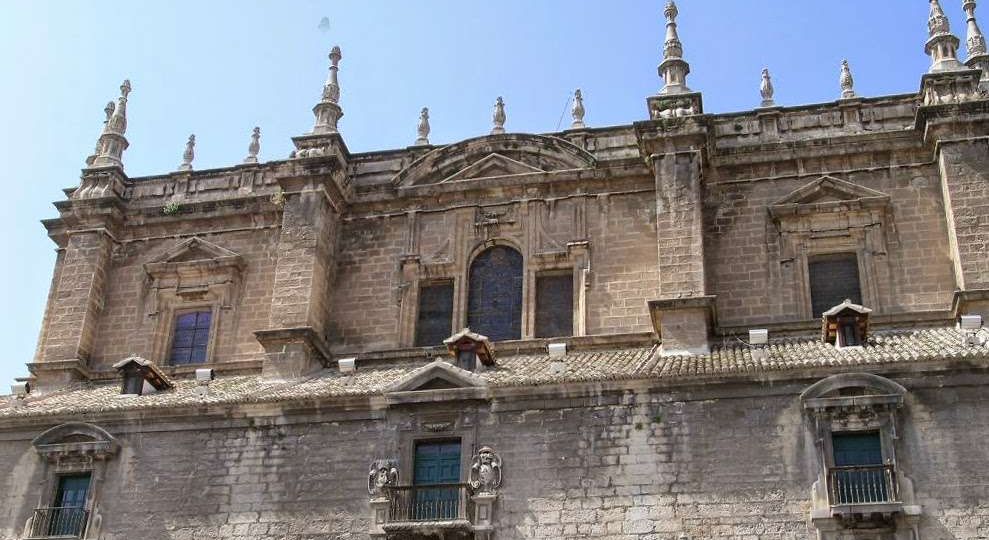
[[77, 438], [503, 154]]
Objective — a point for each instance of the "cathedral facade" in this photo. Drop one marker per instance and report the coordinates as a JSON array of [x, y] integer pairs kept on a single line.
[[755, 325]]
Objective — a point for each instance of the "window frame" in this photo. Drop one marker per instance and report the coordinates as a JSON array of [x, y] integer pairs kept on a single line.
[[170, 350], [422, 284], [811, 259], [560, 272]]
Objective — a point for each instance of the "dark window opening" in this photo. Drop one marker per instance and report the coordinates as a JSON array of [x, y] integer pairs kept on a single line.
[[190, 338], [435, 320], [554, 306], [133, 382], [848, 332], [494, 302], [833, 279]]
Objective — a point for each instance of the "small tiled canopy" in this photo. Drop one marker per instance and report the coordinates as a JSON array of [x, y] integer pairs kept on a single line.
[[146, 369], [829, 320], [480, 344]]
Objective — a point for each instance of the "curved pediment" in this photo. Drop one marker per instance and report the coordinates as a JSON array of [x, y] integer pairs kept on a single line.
[[494, 156]]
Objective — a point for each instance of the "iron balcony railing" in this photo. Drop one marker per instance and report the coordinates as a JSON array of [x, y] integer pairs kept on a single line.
[[437, 502], [59, 522], [862, 484]]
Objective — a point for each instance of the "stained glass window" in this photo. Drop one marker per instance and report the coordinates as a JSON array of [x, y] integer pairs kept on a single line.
[[191, 337], [494, 301]]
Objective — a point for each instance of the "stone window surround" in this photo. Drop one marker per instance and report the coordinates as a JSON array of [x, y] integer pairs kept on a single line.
[[873, 411], [860, 223], [74, 448], [177, 287], [575, 260]]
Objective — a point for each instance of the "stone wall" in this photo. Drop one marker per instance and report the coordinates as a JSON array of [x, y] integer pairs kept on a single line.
[[726, 461]]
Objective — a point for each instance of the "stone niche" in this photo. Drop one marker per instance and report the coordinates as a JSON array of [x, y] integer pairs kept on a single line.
[[832, 216]]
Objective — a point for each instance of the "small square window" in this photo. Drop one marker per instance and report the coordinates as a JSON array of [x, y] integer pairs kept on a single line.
[[190, 339]]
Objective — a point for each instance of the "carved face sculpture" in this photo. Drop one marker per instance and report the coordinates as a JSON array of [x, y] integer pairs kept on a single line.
[[382, 478], [486, 471]]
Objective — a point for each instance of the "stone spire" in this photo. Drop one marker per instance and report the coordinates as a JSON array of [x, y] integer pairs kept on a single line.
[[847, 82], [942, 45], [766, 89], [674, 69], [577, 111], [328, 111], [422, 130], [189, 154], [254, 147], [498, 118], [978, 55], [112, 143]]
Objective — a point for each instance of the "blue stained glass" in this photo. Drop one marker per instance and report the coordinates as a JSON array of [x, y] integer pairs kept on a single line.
[[494, 302], [191, 337]]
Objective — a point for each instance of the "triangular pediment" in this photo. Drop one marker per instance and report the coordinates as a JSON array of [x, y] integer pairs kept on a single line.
[[194, 249], [437, 375], [493, 165], [828, 194], [829, 189]]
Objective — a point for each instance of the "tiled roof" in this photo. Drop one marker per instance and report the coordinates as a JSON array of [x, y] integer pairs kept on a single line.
[[728, 359]]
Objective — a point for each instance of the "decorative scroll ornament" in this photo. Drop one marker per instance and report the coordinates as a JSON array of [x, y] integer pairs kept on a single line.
[[189, 154], [498, 118], [422, 129], [847, 82], [382, 473], [485, 470], [766, 89], [577, 111], [254, 147]]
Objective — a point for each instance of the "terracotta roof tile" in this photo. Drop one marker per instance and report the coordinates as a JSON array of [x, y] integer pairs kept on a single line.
[[522, 370]]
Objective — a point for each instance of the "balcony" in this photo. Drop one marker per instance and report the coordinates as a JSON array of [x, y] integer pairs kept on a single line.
[[58, 522], [864, 493], [433, 509]]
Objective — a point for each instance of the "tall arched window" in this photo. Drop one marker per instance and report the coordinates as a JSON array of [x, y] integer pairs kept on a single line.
[[494, 301]]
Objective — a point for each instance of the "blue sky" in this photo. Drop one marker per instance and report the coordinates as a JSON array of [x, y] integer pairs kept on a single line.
[[219, 68]]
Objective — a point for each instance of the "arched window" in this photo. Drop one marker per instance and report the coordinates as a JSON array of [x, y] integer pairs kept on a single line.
[[494, 301]]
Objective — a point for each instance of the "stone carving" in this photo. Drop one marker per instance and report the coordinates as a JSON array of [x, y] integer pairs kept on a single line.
[[847, 82], [189, 154], [498, 118], [577, 111], [254, 147], [673, 69], [382, 473], [766, 89], [112, 143], [423, 128], [677, 108], [942, 46], [485, 470], [328, 111], [978, 54]]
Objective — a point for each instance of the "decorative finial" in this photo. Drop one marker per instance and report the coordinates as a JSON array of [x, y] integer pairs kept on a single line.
[[112, 143], [942, 45], [498, 117], [673, 69], [189, 154], [254, 147], [328, 111], [766, 89], [847, 82], [577, 111], [978, 55], [423, 128]]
